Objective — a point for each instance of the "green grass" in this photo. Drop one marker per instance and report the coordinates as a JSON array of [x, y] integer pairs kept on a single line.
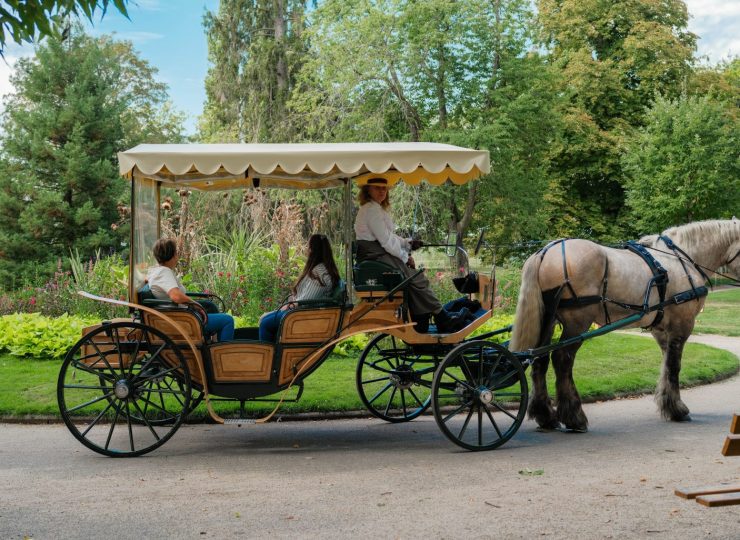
[[721, 314], [612, 365]]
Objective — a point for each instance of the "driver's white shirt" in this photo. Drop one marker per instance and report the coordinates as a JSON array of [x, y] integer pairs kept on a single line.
[[373, 223]]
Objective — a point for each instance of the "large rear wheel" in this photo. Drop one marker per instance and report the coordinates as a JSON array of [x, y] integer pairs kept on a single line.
[[393, 381], [479, 395], [124, 389]]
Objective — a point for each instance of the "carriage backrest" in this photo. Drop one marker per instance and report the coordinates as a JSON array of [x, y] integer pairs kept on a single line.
[[370, 276]]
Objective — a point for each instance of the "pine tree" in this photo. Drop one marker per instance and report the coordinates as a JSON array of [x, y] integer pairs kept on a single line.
[[76, 104]]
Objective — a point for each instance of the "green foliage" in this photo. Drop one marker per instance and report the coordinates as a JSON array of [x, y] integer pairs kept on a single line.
[[36, 336], [614, 59], [256, 48], [684, 165], [75, 105], [720, 314], [26, 19]]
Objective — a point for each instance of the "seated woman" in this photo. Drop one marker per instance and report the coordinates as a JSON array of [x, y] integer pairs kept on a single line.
[[317, 280], [377, 240], [165, 286]]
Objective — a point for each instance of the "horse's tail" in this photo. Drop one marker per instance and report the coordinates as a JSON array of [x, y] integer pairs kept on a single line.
[[530, 308]]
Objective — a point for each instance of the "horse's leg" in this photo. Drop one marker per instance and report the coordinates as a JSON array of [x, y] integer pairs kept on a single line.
[[569, 412], [667, 394], [540, 405]]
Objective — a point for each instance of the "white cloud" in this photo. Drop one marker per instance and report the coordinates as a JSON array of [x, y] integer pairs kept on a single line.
[[135, 37], [717, 23]]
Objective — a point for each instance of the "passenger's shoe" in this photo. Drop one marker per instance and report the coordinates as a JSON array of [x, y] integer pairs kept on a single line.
[[447, 322]]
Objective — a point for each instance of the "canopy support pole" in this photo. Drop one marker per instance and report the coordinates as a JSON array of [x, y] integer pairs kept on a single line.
[[348, 237]]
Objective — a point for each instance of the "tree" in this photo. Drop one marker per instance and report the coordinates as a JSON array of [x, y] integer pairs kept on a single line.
[[256, 48], [24, 20], [683, 165], [615, 58], [76, 104]]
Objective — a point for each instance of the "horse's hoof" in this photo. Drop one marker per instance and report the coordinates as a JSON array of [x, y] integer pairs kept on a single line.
[[684, 418], [570, 429], [547, 429]]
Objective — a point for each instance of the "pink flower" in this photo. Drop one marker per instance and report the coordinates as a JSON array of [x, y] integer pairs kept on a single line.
[[279, 273], [228, 275], [32, 301], [220, 274]]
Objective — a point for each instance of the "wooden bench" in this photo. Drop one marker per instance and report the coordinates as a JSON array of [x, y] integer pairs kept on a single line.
[[722, 494]]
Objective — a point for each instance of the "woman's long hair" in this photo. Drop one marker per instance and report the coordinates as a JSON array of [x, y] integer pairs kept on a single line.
[[319, 252]]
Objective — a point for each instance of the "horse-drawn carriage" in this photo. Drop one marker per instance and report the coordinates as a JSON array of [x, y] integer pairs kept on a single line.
[[126, 387]]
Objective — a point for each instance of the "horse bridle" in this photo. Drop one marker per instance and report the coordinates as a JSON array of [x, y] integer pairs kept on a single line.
[[676, 250]]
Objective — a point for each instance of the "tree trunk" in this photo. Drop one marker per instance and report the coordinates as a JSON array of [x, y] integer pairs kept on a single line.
[[413, 120], [281, 66]]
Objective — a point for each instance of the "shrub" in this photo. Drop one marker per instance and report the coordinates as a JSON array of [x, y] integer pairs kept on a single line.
[[37, 336]]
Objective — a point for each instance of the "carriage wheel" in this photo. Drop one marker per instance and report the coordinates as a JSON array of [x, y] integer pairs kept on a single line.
[[124, 389], [393, 382], [479, 395]]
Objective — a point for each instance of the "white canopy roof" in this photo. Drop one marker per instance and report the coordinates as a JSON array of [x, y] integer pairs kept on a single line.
[[301, 166]]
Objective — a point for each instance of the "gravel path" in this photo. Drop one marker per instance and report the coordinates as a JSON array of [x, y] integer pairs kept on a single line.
[[367, 479]]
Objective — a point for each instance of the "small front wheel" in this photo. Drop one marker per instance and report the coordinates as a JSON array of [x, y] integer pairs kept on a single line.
[[393, 381], [479, 395], [124, 389]]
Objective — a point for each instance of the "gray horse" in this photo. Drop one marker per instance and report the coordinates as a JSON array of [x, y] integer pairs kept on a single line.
[[609, 284]]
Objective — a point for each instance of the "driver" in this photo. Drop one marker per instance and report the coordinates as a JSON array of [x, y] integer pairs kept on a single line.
[[377, 240], [165, 286]]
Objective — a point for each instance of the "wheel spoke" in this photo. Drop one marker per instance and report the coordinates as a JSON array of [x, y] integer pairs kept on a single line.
[[104, 359], [381, 391], [143, 417], [85, 387], [413, 394], [112, 426], [495, 425], [369, 381], [152, 377], [95, 400], [388, 406], [97, 418], [133, 358], [403, 402], [460, 408], [465, 425], [169, 414], [480, 425], [130, 429], [120, 357], [500, 408], [465, 384]]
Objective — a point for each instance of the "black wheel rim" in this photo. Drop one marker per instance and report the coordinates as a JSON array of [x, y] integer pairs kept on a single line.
[[479, 395], [393, 381], [124, 389]]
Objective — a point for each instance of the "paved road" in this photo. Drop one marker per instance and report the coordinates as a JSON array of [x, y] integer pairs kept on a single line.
[[364, 478]]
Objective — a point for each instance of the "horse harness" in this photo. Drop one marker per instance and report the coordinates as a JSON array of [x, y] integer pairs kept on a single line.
[[659, 280]]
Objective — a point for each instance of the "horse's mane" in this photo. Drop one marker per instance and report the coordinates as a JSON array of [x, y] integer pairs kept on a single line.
[[693, 236]]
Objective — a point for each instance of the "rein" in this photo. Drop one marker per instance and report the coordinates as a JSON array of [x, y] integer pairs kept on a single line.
[[698, 266]]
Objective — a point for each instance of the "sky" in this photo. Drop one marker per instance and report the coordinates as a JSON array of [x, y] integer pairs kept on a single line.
[[169, 34]]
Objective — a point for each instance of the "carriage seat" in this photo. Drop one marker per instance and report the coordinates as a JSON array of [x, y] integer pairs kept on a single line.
[[185, 316], [371, 276]]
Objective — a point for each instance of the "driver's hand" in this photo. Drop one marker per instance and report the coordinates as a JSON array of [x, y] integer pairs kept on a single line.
[[411, 263], [416, 244]]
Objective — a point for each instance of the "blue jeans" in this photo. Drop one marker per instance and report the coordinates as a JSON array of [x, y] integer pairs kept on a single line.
[[221, 323], [270, 323]]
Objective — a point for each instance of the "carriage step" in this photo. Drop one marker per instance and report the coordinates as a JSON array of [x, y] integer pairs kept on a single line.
[[239, 421]]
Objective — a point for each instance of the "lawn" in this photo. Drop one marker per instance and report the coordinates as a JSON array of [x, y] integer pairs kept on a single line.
[[612, 365], [721, 314]]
